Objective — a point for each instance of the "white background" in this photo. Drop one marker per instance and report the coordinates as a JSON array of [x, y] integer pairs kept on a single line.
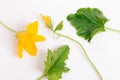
[[104, 49]]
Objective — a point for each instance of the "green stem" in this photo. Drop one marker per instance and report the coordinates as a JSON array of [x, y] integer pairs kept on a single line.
[[84, 51], [8, 28], [114, 30], [41, 77]]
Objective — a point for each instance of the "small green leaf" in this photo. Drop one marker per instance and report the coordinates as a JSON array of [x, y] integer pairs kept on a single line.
[[59, 26], [55, 64], [88, 22]]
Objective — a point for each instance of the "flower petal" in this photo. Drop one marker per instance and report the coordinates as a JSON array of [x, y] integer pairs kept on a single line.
[[32, 28], [30, 47], [20, 49], [38, 38], [47, 20]]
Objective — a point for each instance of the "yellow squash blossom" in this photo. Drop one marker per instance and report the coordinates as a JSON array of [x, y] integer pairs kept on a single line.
[[27, 39], [47, 20]]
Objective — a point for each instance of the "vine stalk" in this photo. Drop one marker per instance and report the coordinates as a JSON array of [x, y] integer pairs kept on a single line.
[[84, 51], [8, 28]]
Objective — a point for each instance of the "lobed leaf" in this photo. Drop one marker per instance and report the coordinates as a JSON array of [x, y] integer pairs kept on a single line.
[[87, 22], [55, 64]]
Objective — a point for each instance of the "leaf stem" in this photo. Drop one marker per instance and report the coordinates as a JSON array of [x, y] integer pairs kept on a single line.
[[114, 30], [41, 77], [84, 51], [8, 28]]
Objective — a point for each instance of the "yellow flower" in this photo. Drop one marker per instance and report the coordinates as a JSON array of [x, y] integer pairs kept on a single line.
[[27, 39], [47, 20]]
